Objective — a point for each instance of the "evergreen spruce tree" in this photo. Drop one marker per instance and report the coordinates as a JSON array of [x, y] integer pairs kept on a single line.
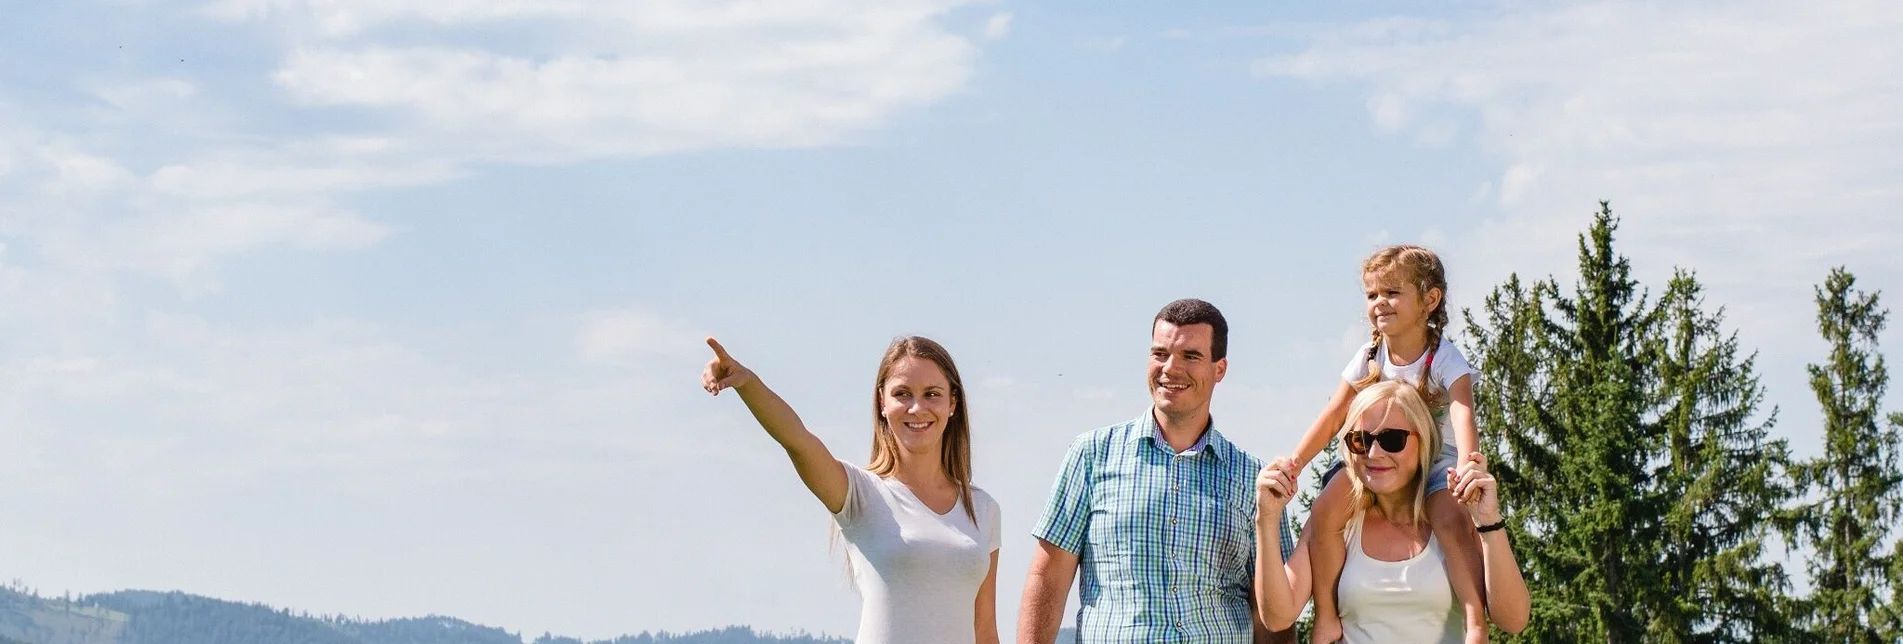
[[1564, 392], [1724, 479], [1855, 488], [1633, 456]]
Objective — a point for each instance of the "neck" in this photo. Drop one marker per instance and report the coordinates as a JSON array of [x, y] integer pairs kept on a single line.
[[926, 469], [1407, 347], [1396, 506], [1184, 431]]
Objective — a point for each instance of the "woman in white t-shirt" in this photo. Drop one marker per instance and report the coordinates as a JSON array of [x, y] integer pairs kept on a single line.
[[921, 540], [1393, 586]]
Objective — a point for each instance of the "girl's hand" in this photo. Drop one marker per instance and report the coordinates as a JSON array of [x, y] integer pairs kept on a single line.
[[1274, 487], [723, 372], [1475, 488]]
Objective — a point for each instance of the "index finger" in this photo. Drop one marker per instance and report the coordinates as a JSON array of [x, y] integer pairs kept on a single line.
[[719, 351], [1478, 460]]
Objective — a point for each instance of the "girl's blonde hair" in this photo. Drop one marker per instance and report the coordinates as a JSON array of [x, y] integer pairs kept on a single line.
[[1422, 268], [1427, 433]]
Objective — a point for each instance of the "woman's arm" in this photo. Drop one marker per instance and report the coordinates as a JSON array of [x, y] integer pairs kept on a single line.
[[1509, 604], [1281, 588], [823, 474], [987, 609]]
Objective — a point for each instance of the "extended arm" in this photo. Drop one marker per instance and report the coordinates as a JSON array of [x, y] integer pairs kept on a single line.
[[823, 474]]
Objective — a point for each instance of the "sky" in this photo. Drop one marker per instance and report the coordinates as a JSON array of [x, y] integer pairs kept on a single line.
[[388, 308]]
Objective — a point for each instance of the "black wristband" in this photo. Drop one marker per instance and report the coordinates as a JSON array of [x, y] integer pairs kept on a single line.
[[1497, 525]]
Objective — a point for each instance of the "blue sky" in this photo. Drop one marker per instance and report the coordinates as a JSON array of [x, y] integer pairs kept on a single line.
[[393, 307]]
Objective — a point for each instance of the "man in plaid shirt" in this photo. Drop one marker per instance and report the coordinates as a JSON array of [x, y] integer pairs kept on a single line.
[[1156, 513]]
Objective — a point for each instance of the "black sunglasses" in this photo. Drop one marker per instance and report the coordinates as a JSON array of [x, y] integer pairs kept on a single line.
[[1391, 439]]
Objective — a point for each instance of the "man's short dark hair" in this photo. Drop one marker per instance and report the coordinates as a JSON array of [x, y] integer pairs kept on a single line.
[[1189, 310]]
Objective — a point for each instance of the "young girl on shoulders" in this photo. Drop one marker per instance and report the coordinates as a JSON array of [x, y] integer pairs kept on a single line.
[[1406, 293]]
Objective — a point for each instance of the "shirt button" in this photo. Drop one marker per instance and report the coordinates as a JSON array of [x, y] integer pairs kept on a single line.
[[1178, 487], [1172, 520]]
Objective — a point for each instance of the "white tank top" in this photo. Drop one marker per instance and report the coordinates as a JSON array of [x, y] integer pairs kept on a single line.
[[1397, 602]]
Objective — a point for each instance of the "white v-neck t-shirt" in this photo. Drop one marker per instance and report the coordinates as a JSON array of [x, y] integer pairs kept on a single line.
[[917, 571], [1385, 602]]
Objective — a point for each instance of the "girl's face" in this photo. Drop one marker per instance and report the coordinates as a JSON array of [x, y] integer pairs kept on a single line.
[[916, 403], [1395, 305], [1382, 470]]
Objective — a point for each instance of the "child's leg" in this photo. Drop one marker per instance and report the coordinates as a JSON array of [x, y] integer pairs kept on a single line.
[[1461, 545], [1328, 519]]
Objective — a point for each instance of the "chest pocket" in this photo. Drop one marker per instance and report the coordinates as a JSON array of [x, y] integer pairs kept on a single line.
[[1225, 523]]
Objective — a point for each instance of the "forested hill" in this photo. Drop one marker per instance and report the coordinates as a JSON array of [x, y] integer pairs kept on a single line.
[[145, 617]]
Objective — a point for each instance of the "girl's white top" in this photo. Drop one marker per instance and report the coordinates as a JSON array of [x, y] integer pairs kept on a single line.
[[1389, 602], [1449, 366], [917, 571]]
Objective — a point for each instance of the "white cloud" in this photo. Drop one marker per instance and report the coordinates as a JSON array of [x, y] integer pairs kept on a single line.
[[180, 245], [609, 336], [166, 173], [618, 79], [1740, 138], [999, 25]]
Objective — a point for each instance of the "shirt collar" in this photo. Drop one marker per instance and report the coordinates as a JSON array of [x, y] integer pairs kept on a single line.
[[1211, 439]]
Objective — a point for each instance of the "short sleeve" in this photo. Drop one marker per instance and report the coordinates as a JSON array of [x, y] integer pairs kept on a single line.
[[859, 490], [1358, 365], [1450, 366], [993, 520], [1067, 517]]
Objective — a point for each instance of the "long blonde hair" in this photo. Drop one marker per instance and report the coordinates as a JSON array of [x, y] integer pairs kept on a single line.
[[1422, 268], [1426, 431]]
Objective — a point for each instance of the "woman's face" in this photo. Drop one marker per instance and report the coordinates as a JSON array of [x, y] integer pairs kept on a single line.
[[916, 403], [1381, 470]]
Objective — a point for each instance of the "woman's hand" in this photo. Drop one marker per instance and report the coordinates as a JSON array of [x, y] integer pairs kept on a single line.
[[1476, 489], [723, 372]]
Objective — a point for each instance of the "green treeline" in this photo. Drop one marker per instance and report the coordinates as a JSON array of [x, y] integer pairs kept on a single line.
[[144, 617], [1646, 498]]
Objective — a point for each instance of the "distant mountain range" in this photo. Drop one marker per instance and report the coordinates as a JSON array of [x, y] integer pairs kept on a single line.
[[148, 617], [177, 618]]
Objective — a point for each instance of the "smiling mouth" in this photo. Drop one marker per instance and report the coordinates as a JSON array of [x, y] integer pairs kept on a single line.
[[1171, 387], [917, 426]]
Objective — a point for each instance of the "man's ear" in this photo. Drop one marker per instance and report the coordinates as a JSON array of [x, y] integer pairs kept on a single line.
[[1222, 367]]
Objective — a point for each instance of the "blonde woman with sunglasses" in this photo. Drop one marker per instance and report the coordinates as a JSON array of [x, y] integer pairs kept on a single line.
[[1394, 587]]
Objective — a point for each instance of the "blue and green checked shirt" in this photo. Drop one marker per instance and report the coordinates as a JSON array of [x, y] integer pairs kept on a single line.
[[1166, 541]]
